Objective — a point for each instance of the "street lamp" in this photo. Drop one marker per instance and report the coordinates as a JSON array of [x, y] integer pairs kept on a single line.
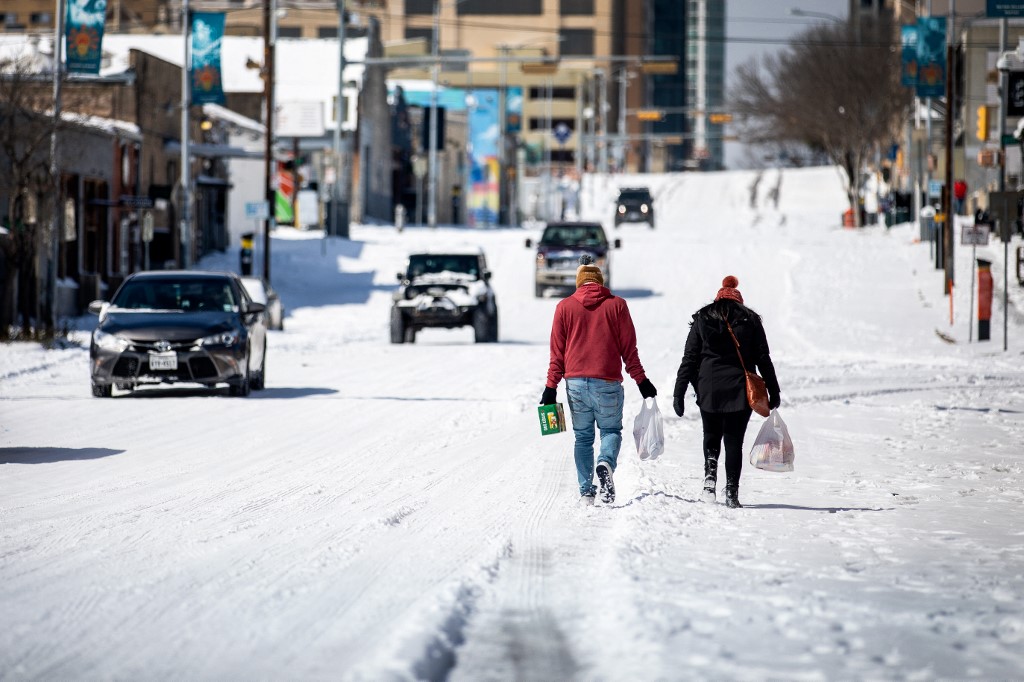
[[797, 12]]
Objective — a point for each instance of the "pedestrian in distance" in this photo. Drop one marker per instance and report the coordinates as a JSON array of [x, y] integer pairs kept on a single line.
[[592, 335], [720, 333]]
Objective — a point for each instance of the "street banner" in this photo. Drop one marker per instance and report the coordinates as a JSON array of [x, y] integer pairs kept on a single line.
[[483, 159], [207, 32], [908, 55], [84, 35], [513, 111], [931, 56], [283, 212]]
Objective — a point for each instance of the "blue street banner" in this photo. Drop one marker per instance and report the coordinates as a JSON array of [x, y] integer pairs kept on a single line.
[[207, 32], [513, 111], [84, 35], [931, 56], [1004, 8], [483, 158], [908, 55]]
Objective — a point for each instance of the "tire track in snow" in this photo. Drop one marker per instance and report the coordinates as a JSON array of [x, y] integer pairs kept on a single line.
[[514, 630]]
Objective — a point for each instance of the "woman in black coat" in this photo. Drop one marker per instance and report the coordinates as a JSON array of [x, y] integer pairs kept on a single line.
[[712, 366]]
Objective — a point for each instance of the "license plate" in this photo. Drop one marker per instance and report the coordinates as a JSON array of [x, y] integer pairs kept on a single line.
[[163, 361]]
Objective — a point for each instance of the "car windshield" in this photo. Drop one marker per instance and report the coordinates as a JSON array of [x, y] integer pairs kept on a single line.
[[634, 195], [429, 264], [573, 235], [186, 295]]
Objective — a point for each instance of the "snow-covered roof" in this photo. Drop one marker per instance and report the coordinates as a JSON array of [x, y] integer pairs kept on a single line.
[[303, 68], [233, 117]]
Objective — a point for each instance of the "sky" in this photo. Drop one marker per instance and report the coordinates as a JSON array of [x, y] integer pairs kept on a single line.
[[391, 511], [755, 28]]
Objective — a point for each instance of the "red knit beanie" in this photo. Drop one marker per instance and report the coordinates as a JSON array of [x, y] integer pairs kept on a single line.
[[729, 290]]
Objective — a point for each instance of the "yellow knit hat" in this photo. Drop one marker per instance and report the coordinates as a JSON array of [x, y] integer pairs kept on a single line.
[[588, 272]]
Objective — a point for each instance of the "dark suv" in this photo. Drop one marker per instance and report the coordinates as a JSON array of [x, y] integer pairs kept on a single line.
[[559, 251], [444, 289], [634, 205]]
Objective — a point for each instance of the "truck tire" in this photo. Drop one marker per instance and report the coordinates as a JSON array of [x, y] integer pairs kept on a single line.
[[397, 326]]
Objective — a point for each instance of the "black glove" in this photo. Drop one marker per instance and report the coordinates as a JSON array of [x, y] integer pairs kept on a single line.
[[549, 396], [647, 389], [774, 400], [677, 405]]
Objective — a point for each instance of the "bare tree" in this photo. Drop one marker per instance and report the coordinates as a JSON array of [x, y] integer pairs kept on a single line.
[[25, 183], [834, 89]]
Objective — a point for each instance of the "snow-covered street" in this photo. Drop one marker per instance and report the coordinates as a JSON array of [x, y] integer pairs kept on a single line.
[[391, 512]]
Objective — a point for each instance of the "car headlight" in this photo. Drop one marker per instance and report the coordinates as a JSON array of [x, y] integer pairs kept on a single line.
[[643, 208], [222, 339], [112, 342], [622, 209], [540, 258]]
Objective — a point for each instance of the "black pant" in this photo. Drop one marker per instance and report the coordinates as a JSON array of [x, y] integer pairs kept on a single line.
[[730, 427]]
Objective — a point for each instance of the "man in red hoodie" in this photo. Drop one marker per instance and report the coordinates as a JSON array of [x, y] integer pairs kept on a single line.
[[592, 335]]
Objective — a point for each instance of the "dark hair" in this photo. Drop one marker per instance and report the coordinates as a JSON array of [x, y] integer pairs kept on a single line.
[[726, 309]]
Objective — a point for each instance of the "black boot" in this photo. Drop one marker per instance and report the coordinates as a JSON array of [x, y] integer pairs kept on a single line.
[[732, 491], [710, 476]]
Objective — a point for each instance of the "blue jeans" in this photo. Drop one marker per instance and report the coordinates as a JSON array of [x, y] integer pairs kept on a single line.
[[594, 401]]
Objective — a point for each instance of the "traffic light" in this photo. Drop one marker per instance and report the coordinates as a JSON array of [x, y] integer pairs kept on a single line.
[[982, 132]]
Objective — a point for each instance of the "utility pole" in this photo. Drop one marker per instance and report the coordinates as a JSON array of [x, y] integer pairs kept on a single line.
[[270, 170], [621, 147], [186, 154], [432, 133], [947, 204], [504, 186], [336, 222], [602, 152], [51, 280]]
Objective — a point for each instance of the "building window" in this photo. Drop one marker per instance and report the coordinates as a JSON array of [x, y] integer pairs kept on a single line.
[[327, 32], [577, 8], [537, 93], [41, 18], [505, 7], [577, 41], [289, 31], [413, 32], [413, 7]]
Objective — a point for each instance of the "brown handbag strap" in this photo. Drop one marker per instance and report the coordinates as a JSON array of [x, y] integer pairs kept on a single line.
[[737, 342]]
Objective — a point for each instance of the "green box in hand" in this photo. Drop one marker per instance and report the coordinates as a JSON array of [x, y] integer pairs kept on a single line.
[[552, 419]]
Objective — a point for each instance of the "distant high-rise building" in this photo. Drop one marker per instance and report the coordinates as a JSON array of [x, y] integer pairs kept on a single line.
[[705, 78]]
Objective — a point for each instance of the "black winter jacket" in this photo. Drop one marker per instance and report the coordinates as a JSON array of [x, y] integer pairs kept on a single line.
[[710, 363]]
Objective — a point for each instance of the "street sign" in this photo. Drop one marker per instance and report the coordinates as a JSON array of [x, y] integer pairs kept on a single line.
[[975, 234], [135, 202], [147, 226], [562, 133], [650, 115], [256, 210], [1004, 8]]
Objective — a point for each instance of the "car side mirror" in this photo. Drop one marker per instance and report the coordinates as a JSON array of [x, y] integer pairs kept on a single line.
[[255, 307], [487, 275], [529, 243], [400, 276], [96, 307], [618, 243]]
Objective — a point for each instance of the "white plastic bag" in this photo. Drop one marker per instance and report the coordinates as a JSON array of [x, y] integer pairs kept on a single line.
[[648, 431], [773, 448]]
